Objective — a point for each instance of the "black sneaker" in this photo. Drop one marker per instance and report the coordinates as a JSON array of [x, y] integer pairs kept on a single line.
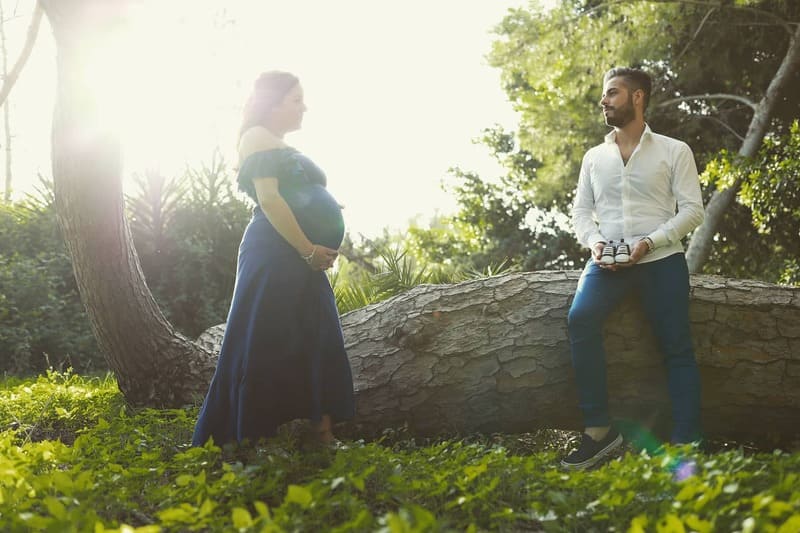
[[607, 255], [590, 452], [623, 252]]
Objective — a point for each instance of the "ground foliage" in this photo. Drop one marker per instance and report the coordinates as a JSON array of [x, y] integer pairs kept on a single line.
[[75, 458]]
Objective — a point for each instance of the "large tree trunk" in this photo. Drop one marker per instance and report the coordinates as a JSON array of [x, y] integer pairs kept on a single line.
[[154, 365], [493, 355], [721, 200]]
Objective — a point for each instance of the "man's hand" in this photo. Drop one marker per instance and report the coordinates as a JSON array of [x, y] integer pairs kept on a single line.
[[597, 252], [638, 251]]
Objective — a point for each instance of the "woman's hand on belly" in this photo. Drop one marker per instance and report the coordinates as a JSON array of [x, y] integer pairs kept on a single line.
[[322, 258]]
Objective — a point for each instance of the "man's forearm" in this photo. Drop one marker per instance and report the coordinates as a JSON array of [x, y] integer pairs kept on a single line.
[[673, 230]]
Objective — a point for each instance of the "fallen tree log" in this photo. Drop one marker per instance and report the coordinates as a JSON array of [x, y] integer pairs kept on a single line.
[[492, 354]]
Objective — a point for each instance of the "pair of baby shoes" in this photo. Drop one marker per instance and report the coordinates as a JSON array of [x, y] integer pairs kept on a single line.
[[615, 253]]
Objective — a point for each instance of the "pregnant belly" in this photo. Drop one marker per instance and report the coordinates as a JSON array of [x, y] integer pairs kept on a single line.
[[318, 214]]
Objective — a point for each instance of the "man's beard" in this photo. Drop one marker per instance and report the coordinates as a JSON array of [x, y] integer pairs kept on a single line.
[[621, 115]]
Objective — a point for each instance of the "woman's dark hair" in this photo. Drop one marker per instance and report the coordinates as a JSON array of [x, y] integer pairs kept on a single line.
[[634, 78], [268, 91]]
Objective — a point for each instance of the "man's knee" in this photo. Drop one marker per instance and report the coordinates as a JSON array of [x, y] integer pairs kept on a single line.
[[675, 341], [678, 351], [581, 317]]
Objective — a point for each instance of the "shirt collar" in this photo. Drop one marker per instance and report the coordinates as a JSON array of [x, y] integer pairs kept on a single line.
[[611, 136]]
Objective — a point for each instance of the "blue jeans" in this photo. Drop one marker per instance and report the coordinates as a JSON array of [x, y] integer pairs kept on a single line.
[[663, 287]]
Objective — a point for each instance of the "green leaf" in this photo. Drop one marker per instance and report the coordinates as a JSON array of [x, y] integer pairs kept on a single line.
[[207, 508], [423, 519], [241, 518], [261, 509], [730, 488], [670, 524], [299, 495], [792, 525], [55, 508], [698, 525], [638, 524], [780, 508], [473, 471], [62, 482], [358, 483], [183, 514]]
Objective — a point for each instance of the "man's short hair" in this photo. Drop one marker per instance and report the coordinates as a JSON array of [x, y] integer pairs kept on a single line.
[[634, 78]]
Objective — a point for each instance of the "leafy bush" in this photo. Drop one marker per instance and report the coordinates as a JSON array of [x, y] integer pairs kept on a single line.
[[768, 212], [42, 321], [187, 232], [396, 272], [136, 468]]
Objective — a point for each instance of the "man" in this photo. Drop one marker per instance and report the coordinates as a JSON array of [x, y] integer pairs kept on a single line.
[[625, 212]]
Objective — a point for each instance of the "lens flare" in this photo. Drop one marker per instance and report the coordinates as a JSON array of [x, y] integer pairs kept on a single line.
[[684, 469]]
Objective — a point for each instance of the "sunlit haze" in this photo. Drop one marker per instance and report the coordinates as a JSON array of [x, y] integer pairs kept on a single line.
[[396, 92]]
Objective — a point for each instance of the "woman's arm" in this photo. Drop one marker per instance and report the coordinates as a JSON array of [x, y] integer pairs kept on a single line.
[[273, 205], [283, 220]]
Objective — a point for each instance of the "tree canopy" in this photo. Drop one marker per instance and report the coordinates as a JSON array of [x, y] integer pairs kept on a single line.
[[552, 63], [711, 63]]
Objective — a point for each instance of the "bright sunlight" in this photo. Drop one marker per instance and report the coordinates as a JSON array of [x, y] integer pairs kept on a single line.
[[392, 104]]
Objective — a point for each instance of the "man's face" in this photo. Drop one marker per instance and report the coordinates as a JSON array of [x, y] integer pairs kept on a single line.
[[617, 103]]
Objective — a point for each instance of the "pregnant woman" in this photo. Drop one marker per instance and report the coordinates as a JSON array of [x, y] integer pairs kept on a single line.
[[283, 354]]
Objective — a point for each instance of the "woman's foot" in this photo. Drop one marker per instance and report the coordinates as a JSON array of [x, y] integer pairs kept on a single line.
[[323, 434], [325, 437]]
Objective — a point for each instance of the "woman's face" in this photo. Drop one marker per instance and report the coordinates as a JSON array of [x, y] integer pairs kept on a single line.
[[288, 114]]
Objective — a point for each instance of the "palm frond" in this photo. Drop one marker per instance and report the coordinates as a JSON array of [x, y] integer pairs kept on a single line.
[[493, 269], [44, 194]]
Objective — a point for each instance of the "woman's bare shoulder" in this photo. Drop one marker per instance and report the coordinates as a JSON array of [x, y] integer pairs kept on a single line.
[[258, 139]]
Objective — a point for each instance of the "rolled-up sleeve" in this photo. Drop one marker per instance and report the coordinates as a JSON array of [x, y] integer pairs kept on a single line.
[[583, 208], [689, 198]]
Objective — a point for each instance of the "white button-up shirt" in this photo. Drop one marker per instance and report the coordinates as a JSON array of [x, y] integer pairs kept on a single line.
[[631, 201]]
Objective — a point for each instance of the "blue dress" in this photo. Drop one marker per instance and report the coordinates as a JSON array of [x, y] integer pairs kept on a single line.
[[282, 354]]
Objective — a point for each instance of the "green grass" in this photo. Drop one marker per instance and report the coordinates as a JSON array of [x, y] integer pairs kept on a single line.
[[74, 458]]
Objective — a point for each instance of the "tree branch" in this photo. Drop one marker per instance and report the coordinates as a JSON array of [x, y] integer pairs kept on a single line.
[[785, 24], [349, 251], [718, 96], [764, 24], [696, 33], [723, 124], [30, 39], [721, 200]]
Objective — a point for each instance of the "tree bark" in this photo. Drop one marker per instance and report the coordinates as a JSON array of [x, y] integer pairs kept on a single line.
[[493, 355], [721, 200], [154, 365]]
